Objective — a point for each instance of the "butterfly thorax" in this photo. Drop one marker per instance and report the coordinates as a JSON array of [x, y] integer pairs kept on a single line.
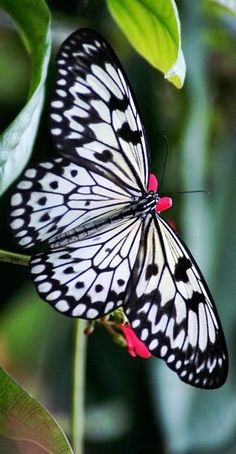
[[144, 204], [136, 208]]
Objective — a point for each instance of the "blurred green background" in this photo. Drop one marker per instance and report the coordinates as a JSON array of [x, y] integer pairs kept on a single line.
[[132, 405]]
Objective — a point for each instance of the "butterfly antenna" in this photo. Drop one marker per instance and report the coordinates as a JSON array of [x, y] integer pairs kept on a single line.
[[167, 149], [194, 191]]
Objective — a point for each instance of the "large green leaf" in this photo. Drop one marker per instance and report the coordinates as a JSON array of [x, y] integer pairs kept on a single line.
[[153, 28], [23, 418], [32, 19]]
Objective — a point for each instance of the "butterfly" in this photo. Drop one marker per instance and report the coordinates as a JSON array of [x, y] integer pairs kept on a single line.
[[103, 242]]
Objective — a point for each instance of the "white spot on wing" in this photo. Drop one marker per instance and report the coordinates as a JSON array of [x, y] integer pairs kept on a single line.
[[30, 173], [16, 199], [79, 310], [144, 334], [92, 313], [61, 93], [17, 212], [45, 287], [102, 109], [113, 73], [109, 307], [54, 295], [178, 364], [203, 333], [163, 350], [25, 241], [180, 308], [192, 328], [98, 87], [136, 323], [61, 82], [56, 117], [37, 269], [107, 80], [56, 131], [211, 327], [57, 104], [17, 223], [153, 344]]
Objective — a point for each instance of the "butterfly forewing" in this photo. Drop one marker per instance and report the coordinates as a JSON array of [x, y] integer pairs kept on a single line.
[[58, 196], [93, 116], [171, 310]]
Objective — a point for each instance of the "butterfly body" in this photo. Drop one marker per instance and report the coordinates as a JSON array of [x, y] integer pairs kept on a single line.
[[136, 208], [106, 244]]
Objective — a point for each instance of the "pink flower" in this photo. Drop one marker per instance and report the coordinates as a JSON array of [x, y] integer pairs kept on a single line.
[[152, 183], [164, 203], [135, 347]]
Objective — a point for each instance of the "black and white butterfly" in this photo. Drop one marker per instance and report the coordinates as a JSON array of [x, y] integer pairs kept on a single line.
[[104, 243]]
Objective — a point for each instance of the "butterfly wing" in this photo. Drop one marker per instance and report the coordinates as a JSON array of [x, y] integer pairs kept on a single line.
[[89, 277], [171, 310], [94, 116], [58, 196], [106, 163]]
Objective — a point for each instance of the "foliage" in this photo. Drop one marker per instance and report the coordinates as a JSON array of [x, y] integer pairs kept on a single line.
[[17, 141], [22, 417], [153, 28]]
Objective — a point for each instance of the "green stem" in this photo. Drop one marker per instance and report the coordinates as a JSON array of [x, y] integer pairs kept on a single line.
[[12, 257], [78, 417]]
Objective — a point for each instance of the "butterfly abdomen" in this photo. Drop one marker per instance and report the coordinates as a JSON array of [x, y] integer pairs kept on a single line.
[[136, 208]]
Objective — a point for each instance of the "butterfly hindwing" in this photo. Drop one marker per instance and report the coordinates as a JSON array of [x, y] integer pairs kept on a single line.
[[171, 310], [89, 277], [93, 115]]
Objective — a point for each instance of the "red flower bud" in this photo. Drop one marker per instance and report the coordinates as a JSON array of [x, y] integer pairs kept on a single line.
[[135, 347], [152, 183], [164, 203]]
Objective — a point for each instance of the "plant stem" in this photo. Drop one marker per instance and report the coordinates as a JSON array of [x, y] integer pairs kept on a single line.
[[12, 257], [78, 397]]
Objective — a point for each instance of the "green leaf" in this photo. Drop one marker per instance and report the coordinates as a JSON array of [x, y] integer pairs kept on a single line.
[[24, 418], [153, 28], [32, 19], [226, 5]]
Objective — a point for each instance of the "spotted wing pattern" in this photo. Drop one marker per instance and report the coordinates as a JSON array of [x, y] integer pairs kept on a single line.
[[88, 278], [58, 196], [93, 115], [170, 308]]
